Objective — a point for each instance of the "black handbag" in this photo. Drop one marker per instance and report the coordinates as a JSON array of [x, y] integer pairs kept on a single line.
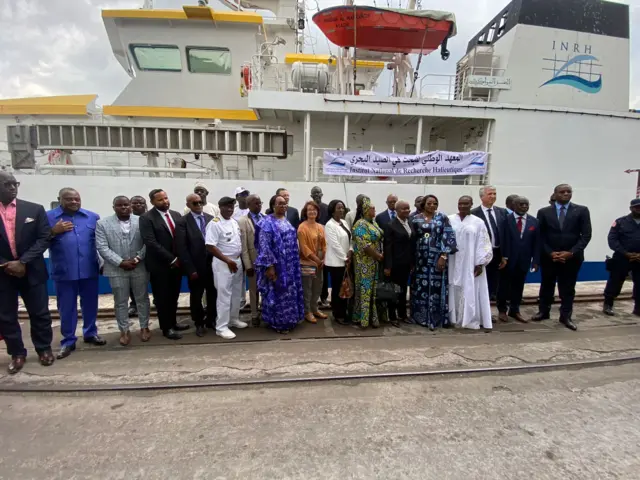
[[386, 291]]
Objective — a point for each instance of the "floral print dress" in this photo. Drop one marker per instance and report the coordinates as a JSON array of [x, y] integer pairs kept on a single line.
[[366, 234]]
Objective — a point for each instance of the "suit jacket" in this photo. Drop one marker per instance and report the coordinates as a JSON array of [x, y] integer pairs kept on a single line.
[[248, 234], [573, 237], [192, 250], [32, 240], [501, 216], [383, 219], [523, 250], [114, 246], [323, 218], [161, 247], [397, 247]]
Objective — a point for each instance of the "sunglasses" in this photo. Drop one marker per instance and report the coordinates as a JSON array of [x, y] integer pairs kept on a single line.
[[197, 203], [10, 184]]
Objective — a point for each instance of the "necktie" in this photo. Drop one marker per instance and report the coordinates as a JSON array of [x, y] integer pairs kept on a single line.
[[562, 216], [172, 227], [201, 222], [494, 228], [519, 225], [393, 215]]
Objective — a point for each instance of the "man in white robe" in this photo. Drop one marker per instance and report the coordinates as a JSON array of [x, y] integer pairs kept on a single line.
[[469, 304]]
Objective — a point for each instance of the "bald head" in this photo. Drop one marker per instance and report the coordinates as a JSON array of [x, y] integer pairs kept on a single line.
[[391, 201], [195, 203], [8, 187], [254, 204], [403, 209]]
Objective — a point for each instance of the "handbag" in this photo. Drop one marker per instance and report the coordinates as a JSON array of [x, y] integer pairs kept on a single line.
[[387, 292], [308, 270], [346, 289]]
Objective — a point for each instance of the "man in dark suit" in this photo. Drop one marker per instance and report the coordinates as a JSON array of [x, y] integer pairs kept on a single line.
[[158, 230], [292, 213], [196, 263], [494, 219], [398, 259], [522, 248], [24, 237], [384, 218], [565, 231]]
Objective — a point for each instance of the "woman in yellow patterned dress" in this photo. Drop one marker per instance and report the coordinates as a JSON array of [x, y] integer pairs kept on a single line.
[[367, 253]]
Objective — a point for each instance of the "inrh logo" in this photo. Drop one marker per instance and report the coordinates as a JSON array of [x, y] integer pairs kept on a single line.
[[578, 71]]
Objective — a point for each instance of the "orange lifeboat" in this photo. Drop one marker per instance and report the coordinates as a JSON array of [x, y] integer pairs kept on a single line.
[[387, 30]]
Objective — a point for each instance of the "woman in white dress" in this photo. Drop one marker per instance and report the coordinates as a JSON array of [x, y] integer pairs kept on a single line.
[[469, 303], [338, 257]]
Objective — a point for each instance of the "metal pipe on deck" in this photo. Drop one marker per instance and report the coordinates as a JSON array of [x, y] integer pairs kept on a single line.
[[345, 134], [307, 147]]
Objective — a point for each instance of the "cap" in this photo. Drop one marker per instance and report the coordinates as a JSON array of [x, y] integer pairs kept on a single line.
[[200, 185], [635, 202], [224, 201], [240, 190]]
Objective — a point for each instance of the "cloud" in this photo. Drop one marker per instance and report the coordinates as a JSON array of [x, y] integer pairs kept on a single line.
[[58, 47]]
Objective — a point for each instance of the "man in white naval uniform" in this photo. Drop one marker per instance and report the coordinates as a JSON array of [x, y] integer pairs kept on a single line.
[[224, 243]]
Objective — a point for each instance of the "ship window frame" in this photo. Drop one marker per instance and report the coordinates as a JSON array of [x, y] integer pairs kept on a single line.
[[215, 49], [132, 49]]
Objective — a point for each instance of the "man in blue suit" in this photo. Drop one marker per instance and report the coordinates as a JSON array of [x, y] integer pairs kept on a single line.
[[383, 219], [522, 252], [75, 267]]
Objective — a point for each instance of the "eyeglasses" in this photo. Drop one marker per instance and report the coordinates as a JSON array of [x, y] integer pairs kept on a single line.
[[10, 184], [197, 203]]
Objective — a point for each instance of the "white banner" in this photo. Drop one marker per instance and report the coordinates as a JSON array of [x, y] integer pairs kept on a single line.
[[380, 164]]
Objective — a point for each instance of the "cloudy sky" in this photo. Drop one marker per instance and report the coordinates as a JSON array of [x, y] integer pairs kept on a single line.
[[57, 47]]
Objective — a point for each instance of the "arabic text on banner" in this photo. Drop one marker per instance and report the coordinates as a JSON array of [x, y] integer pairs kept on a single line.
[[381, 164]]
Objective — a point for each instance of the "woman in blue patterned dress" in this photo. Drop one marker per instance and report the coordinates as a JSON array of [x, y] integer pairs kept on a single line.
[[367, 254], [433, 240], [278, 269]]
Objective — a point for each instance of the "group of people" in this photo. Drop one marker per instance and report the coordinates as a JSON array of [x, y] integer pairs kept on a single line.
[[454, 265]]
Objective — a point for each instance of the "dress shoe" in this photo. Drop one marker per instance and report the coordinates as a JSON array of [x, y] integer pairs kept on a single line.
[[201, 330], [238, 324], [226, 334], [518, 317], [125, 338], [17, 362], [538, 317], [95, 340], [608, 310], [65, 351], [179, 327], [46, 358], [132, 312], [255, 322], [171, 334], [145, 334], [503, 317], [568, 323], [310, 318], [319, 315]]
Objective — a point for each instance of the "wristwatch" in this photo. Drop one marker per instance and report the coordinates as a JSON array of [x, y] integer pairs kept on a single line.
[[444, 255]]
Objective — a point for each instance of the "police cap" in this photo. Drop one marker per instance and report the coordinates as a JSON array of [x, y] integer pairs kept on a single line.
[[635, 202], [225, 201]]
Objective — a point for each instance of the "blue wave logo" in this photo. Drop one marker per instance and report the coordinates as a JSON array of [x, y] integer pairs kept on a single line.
[[477, 160], [338, 163], [574, 80]]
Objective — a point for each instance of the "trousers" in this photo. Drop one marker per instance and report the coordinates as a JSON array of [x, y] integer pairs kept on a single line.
[[253, 295], [311, 289], [121, 288], [36, 301], [229, 288], [67, 292], [165, 286], [566, 274], [338, 305], [203, 286], [620, 268]]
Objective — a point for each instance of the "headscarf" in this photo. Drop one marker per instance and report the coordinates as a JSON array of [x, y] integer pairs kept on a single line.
[[366, 205]]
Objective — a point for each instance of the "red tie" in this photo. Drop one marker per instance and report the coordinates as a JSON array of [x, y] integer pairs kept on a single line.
[[171, 226], [519, 224]]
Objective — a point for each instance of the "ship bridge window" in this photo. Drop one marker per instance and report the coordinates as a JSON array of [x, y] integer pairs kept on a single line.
[[209, 60], [164, 58]]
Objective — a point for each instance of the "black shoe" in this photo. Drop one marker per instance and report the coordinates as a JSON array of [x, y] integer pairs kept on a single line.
[[394, 323], [538, 317], [171, 334], [95, 340], [201, 330], [568, 323], [65, 351], [608, 310], [179, 327], [132, 312], [255, 322]]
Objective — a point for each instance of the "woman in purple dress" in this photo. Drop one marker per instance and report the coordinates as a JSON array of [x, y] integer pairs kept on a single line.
[[278, 269]]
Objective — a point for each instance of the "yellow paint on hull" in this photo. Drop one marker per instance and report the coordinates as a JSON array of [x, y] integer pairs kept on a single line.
[[58, 105], [187, 13], [178, 112]]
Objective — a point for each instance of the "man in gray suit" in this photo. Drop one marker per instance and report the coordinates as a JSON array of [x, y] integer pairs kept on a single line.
[[119, 243]]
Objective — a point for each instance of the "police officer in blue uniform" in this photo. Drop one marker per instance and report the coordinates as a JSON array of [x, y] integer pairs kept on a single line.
[[624, 240]]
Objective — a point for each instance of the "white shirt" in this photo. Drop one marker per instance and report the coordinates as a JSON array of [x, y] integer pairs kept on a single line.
[[492, 234], [350, 218], [239, 212], [405, 224], [524, 222], [125, 226], [338, 243], [209, 208], [225, 235]]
